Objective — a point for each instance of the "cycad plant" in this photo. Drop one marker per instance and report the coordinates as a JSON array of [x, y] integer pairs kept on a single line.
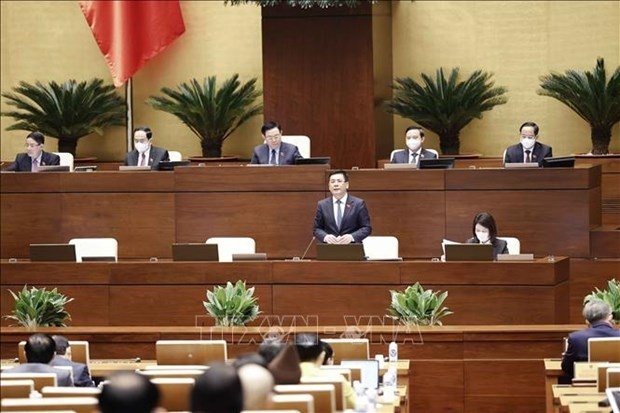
[[418, 306], [66, 111], [40, 308], [446, 105], [611, 296], [212, 114], [233, 305], [591, 96]]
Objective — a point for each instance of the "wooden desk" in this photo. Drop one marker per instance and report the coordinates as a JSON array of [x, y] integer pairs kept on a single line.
[[553, 370]]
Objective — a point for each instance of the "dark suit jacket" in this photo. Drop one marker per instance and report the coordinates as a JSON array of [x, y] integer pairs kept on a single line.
[[287, 156], [499, 246], [355, 219], [578, 344], [514, 153], [23, 162], [64, 377], [81, 375], [403, 156], [156, 156]]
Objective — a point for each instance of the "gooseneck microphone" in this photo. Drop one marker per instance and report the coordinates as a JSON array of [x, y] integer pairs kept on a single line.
[[307, 248]]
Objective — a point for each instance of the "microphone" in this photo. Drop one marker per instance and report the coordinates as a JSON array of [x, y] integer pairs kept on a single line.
[[305, 252]]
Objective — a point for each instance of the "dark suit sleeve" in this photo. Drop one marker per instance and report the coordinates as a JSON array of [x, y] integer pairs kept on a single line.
[[549, 153], [363, 223], [569, 359], [13, 166], [507, 158], [296, 154], [166, 157], [319, 224], [53, 159], [255, 157], [127, 159], [503, 247], [84, 379]]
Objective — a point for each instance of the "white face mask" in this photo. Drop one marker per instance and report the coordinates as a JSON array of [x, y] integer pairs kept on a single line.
[[414, 144], [483, 236], [528, 143], [142, 146]]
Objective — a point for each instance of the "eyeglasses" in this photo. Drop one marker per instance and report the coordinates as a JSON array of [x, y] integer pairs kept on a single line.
[[32, 145]]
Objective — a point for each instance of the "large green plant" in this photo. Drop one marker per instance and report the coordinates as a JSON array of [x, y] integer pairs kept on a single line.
[[446, 105], [66, 111], [304, 4], [40, 308], [212, 114], [611, 296], [591, 96], [418, 306], [233, 305]]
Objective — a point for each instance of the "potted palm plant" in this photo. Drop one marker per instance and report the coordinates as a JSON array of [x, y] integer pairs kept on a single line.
[[212, 114], [611, 296], [446, 105], [232, 305], [418, 306], [594, 98], [39, 308], [66, 111]]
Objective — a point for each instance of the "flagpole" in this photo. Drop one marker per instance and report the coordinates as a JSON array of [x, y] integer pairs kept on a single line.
[[129, 105]]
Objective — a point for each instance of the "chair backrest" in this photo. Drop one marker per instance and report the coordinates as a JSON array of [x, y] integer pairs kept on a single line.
[[349, 348], [613, 377], [66, 159], [324, 394], [602, 375], [175, 156], [338, 382], [604, 349], [171, 374], [50, 404], [181, 352], [301, 141], [504, 157], [48, 391], [95, 247], [380, 247], [174, 393], [16, 389], [227, 246], [40, 380], [80, 351], [304, 403], [344, 372], [514, 245]]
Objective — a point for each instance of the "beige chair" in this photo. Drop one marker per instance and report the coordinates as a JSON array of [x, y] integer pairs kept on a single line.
[[349, 348], [16, 389], [336, 380], [66, 159], [70, 391], [586, 407], [192, 352], [304, 403], [174, 393], [301, 141], [381, 247], [76, 404], [324, 394], [175, 156], [95, 247], [513, 244], [227, 246], [40, 380], [604, 349], [171, 374], [80, 351]]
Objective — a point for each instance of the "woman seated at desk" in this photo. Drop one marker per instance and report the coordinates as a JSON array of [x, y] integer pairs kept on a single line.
[[485, 232]]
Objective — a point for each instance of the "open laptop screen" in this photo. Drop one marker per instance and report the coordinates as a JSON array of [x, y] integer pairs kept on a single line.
[[369, 369]]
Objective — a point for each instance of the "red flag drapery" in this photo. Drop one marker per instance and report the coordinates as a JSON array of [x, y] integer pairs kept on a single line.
[[130, 33]]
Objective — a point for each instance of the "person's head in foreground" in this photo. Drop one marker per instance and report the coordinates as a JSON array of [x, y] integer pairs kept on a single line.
[[129, 392], [218, 390]]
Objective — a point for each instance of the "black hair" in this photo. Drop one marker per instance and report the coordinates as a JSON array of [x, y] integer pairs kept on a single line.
[[308, 346], [249, 358], [415, 128], [146, 129], [218, 390], [486, 220], [532, 124], [62, 344], [128, 392], [329, 351], [270, 125], [339, 171], [40, 348], [270, 348], [37, 136]]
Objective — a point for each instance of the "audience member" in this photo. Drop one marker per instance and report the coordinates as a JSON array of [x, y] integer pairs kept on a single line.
[[35, 156], [257, 383], [249, 358], [218, 390], [341, 218], [414, 138], [528, 150], [81, 375], [328, 360], [274, 151], [484, 231], [40, 349], [285, 366], [270, 348], [129, 392], [145, 153]]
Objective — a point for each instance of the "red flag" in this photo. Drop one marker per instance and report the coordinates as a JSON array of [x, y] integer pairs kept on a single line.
[[130, 33]]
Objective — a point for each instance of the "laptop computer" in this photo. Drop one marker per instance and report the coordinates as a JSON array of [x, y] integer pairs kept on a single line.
[[469, 252], [258, 256], [170, 165], [319, 160], [369, 369], [192, 352], [54, 168], [560, 162], [437, 163], [194, 252], [52, 252], [336, 252]]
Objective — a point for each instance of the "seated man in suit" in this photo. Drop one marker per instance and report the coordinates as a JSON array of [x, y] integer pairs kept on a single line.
[[129, 392], [35, 156], [274, 151], [414, 138], [529, 150], [40, 350], [599, 320], [145, 153], [81, 375], [341, 218]]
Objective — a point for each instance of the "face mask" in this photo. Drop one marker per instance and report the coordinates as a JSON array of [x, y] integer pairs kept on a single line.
[[482, 236], [528, 143], [414, 144], [141, 146]]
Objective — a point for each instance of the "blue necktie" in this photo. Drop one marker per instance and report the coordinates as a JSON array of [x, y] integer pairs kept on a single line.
[[273, 157], [338, 213]]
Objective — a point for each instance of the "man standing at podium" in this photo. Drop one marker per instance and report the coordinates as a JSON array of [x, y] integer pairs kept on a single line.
[[274, 151], [341, 218], [528, 150]]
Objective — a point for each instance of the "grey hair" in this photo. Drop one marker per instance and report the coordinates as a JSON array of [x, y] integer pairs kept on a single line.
[[596, 310]]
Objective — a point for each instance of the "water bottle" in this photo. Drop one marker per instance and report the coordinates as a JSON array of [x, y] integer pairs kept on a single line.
[[393, 352]]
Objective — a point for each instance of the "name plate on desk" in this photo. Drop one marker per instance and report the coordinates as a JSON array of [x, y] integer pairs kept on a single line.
[[517, 165], [133, 168], [515, 257]]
